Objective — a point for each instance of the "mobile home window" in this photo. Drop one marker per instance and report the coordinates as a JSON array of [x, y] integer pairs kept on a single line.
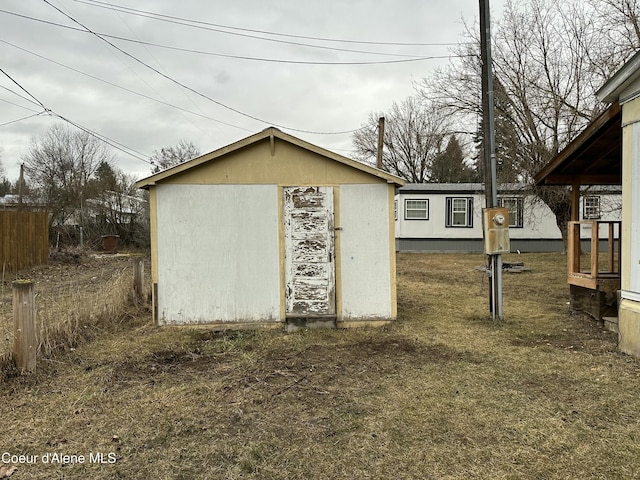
[[591, 207], [515, 208], [459, 212], [416, 209]]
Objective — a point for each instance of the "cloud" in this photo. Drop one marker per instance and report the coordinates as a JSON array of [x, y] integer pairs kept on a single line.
[[238, 97]]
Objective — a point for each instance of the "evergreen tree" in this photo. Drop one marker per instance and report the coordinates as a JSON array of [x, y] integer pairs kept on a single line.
[[450, 166]]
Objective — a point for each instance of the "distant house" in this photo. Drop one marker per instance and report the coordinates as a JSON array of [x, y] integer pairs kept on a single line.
[[608, 152], [12, 201], [116, 208], [272, 231], [442, 217]]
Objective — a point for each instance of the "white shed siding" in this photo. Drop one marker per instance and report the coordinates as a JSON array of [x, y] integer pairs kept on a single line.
[[364, 252], [218, 253]]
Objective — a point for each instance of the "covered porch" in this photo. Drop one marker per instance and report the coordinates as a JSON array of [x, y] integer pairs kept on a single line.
[[593, 270]]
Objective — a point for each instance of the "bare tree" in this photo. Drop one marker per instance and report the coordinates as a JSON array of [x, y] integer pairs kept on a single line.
[[549, 58], [620, 22], [60, 165], [5, 184], [118, 207], [170, 156], [413, 137]]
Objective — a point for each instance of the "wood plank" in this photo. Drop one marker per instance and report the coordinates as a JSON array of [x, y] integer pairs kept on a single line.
[[582, 281], [594, 248], [24, 239], [24, 326], [611, 249]]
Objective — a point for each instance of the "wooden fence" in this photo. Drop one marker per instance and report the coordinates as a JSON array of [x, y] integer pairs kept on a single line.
[[24, 239]]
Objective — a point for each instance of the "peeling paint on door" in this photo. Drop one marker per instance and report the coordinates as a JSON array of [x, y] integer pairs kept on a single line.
[[309, 251]]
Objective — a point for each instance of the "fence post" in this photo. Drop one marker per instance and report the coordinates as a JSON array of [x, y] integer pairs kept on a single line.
[[24, 326], [138, 279]]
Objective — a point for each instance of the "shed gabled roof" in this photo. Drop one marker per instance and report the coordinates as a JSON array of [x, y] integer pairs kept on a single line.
[[271, 134]]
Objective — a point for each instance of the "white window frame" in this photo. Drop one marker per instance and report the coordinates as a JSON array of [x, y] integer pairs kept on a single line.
[[515, 205], [455, 206], [591, 207], [414, 208]]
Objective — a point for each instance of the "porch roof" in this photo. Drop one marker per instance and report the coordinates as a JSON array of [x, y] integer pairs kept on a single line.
[[593, 158]]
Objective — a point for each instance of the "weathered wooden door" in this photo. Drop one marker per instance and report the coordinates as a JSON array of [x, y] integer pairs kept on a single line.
[[309, 251]]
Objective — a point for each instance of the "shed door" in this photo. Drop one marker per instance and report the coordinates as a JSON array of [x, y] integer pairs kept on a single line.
[[309, 251]]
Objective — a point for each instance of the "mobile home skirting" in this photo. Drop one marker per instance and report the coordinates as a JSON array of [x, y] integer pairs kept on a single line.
[[476, 245]]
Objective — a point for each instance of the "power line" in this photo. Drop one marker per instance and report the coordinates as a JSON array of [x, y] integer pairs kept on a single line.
[[202, 25], [23, 89], [171, 79], [17, 94], [162, 102], [21, 119], [408, 59], [112, 143], [107, 140], [189, 99]]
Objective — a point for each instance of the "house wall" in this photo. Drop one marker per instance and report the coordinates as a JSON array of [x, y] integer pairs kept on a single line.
[[629, 311], [539, 232]]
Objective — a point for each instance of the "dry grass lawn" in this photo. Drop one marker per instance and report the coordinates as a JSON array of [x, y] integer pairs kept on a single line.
[[443, 393]]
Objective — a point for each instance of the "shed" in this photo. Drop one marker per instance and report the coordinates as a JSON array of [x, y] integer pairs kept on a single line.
[[608, 152], [272, 231]]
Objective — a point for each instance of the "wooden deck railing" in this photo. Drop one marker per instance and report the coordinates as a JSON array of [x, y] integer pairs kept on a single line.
[[601, 268]]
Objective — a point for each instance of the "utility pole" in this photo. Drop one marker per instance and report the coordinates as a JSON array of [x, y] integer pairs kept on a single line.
[[489, 153], [380, 141]]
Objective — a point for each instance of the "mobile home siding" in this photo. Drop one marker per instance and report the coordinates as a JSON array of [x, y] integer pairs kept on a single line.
[[537, 231]]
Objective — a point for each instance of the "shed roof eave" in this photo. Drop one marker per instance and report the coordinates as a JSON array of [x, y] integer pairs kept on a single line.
[[269, 133]]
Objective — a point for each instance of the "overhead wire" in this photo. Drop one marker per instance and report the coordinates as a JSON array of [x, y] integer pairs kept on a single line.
[[112, 143], [38, 102], [171, 79], [172, 19], [17, 94], [115, 85], [408, 59], [189, 99], [23, 118], [109, 141], [181, 22], [210, 27]]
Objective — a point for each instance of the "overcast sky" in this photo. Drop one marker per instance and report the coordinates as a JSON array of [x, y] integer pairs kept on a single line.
[[132, 96]]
